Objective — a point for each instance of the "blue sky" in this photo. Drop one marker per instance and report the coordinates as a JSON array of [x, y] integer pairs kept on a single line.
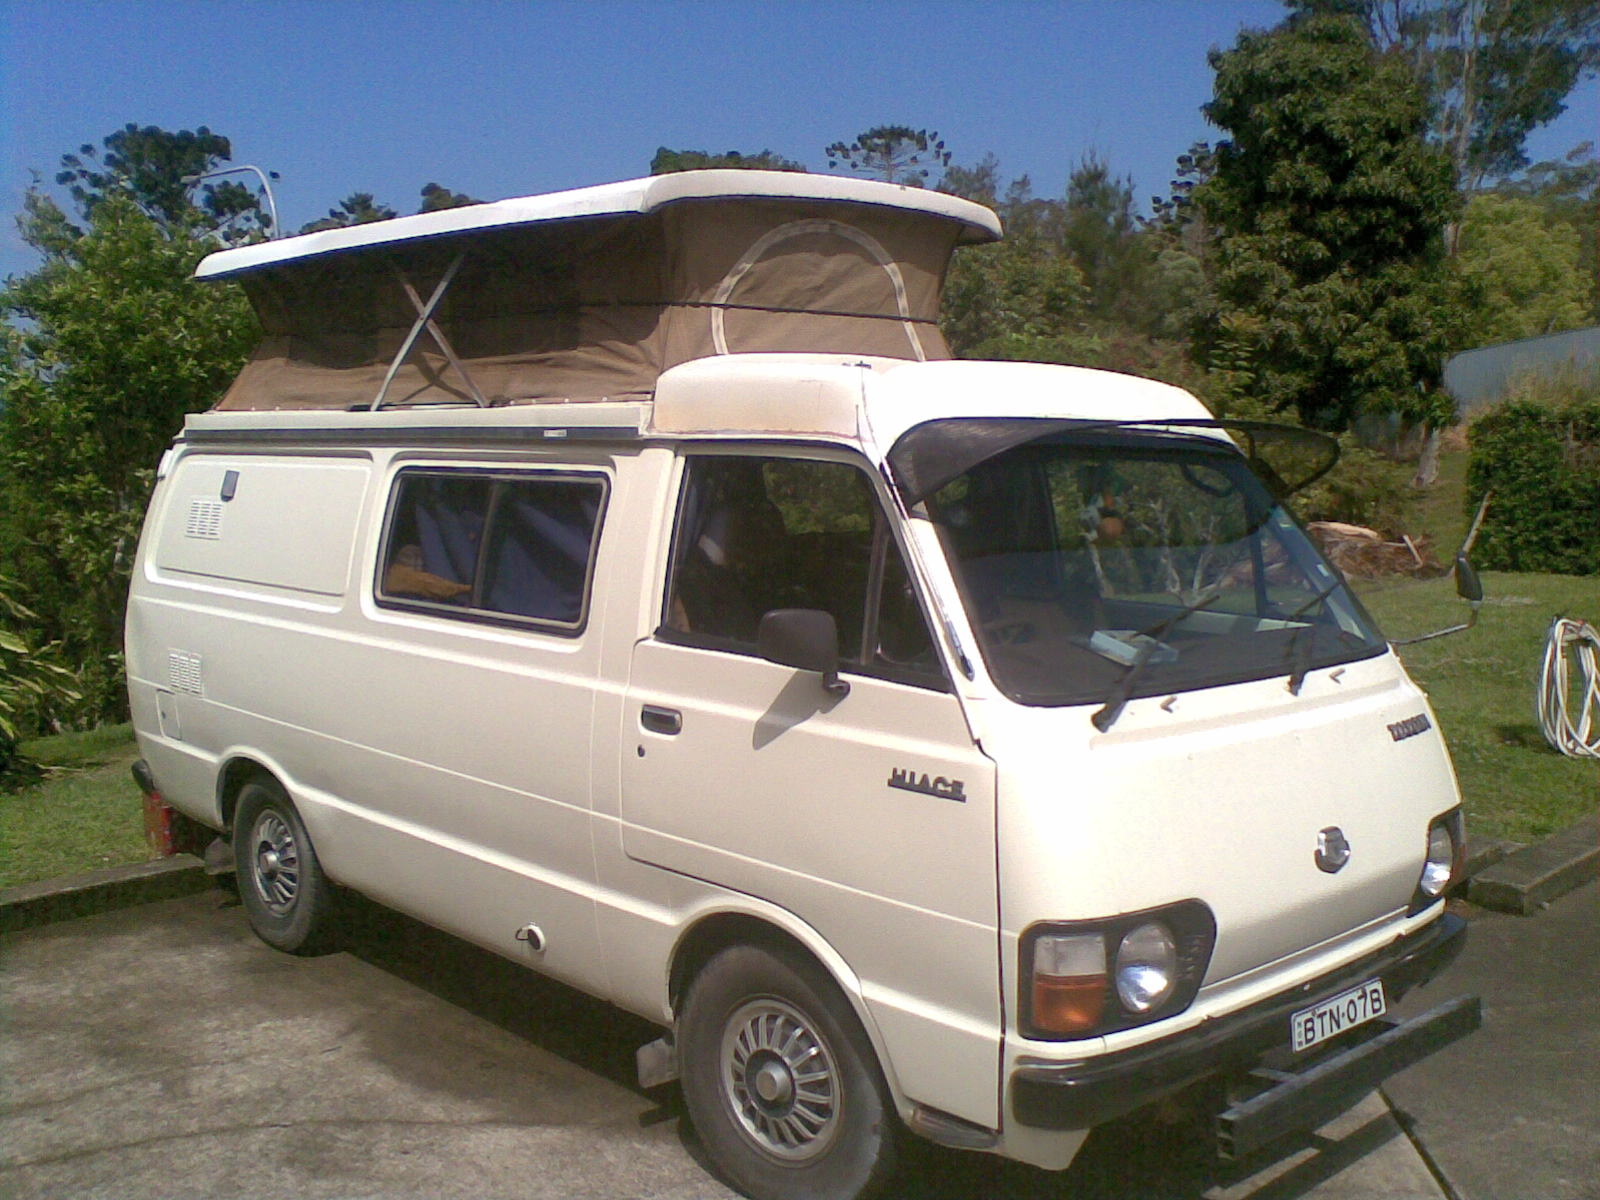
[[498, 98]]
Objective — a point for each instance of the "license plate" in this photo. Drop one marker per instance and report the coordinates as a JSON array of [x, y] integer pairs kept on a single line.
[[1332, 1017]]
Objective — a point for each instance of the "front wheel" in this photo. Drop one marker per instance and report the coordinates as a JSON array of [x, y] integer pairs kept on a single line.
[[285, 894], [781, 1082]]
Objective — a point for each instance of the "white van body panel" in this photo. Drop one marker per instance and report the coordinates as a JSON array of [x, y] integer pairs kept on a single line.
[[250, 550], [761, 791], [903, 395], [402, 739], [1242, 777], [1196, 773]]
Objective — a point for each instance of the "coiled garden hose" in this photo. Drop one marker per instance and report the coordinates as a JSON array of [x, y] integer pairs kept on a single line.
[[1578, 738]]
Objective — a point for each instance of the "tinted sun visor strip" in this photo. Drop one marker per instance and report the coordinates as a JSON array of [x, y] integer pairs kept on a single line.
[[928, 456]]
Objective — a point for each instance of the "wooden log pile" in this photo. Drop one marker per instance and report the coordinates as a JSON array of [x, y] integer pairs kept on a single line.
[[1363, 553]]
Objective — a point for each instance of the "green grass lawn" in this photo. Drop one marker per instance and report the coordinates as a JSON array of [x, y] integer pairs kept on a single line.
[[1483, 682], [83, 814], [1483, 686]]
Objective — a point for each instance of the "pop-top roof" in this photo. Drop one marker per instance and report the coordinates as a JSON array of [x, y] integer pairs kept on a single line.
[[631, 196], [591, 294]]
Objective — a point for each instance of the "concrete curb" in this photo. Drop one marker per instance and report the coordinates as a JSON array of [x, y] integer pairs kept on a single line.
[[100, 891], [1482, 853], [1527, 879]]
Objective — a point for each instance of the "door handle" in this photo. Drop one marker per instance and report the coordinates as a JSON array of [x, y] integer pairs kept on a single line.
[[661, 720]]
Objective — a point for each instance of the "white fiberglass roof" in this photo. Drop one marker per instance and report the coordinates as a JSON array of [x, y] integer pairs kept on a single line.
[[737, 395], [633, 196]]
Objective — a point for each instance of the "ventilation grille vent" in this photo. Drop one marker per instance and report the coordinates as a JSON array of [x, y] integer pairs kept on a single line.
[[205, 519], [183, 672]]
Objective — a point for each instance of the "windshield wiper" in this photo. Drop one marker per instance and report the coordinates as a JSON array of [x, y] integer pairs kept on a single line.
[[1118, 699], [1300, 664]]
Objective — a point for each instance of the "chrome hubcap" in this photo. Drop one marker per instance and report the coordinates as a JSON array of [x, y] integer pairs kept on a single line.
[[780, 1081], [277, 863]]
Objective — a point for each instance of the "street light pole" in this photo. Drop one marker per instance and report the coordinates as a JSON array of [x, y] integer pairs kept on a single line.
[[266, 186]]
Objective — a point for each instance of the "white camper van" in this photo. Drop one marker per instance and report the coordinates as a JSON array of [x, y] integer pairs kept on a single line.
[[626, 580]]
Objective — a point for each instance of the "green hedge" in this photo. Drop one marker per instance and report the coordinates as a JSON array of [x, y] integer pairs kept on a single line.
[[1543, 463]]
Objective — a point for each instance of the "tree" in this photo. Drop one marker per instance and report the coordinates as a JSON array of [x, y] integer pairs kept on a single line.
[[1329, 208], [1031, 296], [1027, 215], [1525, 270], [1102, 235], [980, 183], [892, 153], [436, 196], [1176, 212], [1021, 298], [1566, 192], [358, 208], [105, 347], [1018, 299], [667, 162], [1022, 214], [1494, 70], [156, 169], [1570, 184]]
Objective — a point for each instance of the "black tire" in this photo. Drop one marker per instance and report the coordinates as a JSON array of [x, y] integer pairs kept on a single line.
[[751, 1016], [288, 899]]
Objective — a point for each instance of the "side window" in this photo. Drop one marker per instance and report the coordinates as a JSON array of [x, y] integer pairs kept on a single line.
[[756, 534], [501, 547]]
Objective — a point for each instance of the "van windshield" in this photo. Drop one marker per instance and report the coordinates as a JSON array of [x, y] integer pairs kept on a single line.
[[1082, 557]]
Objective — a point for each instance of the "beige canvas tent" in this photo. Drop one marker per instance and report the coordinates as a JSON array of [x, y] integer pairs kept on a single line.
[[591, 294]]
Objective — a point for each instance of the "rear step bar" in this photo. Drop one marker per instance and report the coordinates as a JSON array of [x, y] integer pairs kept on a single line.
[[1303, 1100]]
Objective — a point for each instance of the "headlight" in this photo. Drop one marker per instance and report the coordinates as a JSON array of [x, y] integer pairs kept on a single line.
[[1146, 967], [1444, 861], [1082, 978], [1441, 857]]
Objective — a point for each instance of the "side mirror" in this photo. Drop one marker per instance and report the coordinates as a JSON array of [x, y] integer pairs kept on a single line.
[[1470, 588], [806, 638]]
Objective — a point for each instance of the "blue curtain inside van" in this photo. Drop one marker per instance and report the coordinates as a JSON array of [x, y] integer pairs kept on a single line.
[[539, 550], [520, 547]]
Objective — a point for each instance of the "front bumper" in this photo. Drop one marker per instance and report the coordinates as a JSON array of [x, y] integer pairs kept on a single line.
[[1306, 1099], [1080, 1094]]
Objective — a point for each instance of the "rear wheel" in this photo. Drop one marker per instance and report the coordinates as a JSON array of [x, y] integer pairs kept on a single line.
[[781, 1082], [285, 894]]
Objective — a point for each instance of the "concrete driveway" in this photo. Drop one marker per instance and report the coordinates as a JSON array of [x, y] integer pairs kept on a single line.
[[162, 1051]]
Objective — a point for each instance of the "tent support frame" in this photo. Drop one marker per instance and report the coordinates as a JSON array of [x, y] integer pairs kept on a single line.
[[425, 321]]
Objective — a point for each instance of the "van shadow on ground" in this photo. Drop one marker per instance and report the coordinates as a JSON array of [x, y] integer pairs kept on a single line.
[[1146, 1156]]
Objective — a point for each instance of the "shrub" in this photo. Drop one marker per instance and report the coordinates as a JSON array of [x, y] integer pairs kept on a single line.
[[1362, 489], [1540, 454], [31, 680]]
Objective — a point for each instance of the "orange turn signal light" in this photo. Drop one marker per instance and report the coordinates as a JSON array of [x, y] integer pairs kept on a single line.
[[1068, 1003]]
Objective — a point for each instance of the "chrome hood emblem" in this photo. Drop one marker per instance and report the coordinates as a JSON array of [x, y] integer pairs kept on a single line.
[[1333, 849]]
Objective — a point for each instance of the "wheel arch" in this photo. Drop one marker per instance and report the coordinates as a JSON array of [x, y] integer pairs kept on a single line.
[[710, 932], [239, 768]]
